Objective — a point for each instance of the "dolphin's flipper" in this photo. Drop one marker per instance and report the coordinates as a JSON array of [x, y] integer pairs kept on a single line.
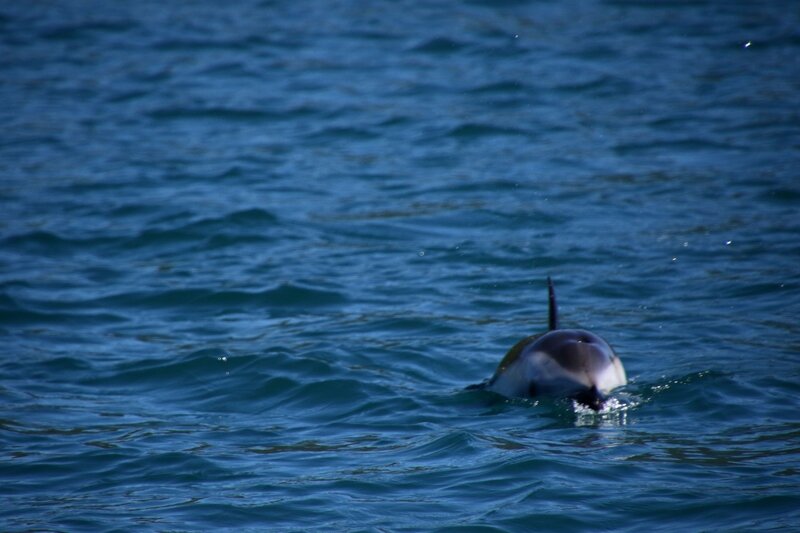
[[552, 318]]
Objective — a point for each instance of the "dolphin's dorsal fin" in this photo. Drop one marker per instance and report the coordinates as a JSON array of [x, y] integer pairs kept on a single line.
[[552, 317]]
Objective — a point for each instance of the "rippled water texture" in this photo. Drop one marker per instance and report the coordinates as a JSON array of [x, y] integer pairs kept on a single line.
[[251, 253]]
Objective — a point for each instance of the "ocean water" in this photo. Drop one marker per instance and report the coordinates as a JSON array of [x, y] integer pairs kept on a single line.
[[252, 252]]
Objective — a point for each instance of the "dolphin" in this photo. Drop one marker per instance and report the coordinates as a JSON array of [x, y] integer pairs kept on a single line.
[[571, 363]]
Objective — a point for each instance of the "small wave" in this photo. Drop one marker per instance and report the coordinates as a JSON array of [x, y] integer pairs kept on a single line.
[[50, 243], [189, 44], [246, 223], [21, 317], [284, 295], [438, 45], [453, 444], [70, 32], [212, 113], [706, 391], [171, 467], [599, 85], [342, 132], [476, 130], [33, 140], [500, 87], [660, 145], [250, 217], [207, 362], [12, 312], [781, 195]]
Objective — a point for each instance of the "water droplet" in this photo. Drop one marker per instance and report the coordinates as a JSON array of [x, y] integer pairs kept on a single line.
[[421, 253]]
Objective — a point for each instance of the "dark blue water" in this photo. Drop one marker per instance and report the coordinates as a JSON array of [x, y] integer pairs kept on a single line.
[[252, 252]]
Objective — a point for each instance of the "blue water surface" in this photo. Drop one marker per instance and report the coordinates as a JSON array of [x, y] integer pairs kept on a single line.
[[252, 252]]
